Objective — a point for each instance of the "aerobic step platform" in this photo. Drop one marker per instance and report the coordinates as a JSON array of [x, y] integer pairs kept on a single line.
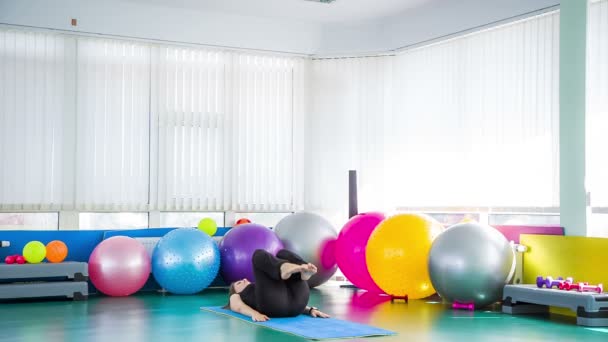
[[591, 308], [44, 280], [69, 270], [77, 290]]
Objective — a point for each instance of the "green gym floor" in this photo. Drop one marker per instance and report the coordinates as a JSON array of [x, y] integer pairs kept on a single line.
[[157, 317]]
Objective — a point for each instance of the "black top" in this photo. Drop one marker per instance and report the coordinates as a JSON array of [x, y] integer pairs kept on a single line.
[[248, 296], [270, 294]]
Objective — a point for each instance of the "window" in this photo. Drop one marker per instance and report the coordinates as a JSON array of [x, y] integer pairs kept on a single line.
[[265, 219], [36, 81], [112, 163], [225, 126], [189, 96], [29, 221], [597, 117], [449, 219], [524, 219], [95, 221], [186, 219], [153, 127], [597, 103], [466, 122]]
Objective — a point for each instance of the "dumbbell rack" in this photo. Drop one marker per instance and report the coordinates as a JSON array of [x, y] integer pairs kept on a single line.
[[44, 280]]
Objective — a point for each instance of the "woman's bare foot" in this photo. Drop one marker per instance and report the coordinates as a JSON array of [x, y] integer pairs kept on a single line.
[[287, 269], [308, 270]]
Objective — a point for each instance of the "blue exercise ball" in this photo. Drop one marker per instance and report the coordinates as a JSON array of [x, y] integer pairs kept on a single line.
[[185, 261]]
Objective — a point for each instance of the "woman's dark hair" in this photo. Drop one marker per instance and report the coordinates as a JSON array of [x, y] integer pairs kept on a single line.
[[231, 291]]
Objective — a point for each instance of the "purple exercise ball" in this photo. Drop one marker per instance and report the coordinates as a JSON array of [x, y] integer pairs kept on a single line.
[[237, 247], [119, 266]]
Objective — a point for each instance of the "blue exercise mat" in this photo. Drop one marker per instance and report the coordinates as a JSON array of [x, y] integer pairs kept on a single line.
[[309, 327]]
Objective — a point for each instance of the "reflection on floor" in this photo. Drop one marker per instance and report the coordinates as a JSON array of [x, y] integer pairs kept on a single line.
[[157, 317]]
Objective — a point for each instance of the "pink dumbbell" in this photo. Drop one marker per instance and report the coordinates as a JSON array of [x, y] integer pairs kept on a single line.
[[463, 306], [565, 285], [584, 287], [10, 259], [573, 286]]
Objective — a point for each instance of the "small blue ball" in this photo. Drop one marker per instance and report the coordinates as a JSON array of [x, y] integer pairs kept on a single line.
[[185, 261]]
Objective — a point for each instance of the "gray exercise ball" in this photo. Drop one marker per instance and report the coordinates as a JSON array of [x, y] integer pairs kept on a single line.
[[471, 263], [313, 238]]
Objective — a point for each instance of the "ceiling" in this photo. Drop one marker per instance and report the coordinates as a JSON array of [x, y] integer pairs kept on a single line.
[[339, 11]]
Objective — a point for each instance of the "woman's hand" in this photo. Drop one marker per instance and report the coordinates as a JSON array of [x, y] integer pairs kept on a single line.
[[258, 317], [318, 313], [237, 305]]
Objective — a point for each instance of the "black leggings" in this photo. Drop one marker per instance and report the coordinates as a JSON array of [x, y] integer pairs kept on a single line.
[[276, 297]]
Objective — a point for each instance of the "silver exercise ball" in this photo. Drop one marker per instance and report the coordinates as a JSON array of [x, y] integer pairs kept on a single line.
[[313, 238], [471, 263]]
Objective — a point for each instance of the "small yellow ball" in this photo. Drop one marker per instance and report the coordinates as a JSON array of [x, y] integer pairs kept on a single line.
[[208, 226], [34, 252]]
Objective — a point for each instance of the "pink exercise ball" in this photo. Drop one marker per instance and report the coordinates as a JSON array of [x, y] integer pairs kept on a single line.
[[350, 249], [119, 266]]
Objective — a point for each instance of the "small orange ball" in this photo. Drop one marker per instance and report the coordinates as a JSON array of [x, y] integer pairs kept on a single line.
[[56, 251], [242, 221]]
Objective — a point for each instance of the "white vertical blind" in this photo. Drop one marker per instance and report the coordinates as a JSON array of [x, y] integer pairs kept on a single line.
[[472, 121], [478, 119], [188, 95], [35, 79], [94, 124], [348, 130], [224, 122], [597, 103], [112, 125], [262, 115]]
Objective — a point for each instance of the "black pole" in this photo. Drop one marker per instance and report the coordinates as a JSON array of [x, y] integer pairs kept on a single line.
[[352, 194]]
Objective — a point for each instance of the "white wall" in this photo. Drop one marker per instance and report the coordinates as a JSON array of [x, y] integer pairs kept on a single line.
[[172, 24], [433, 20], [356, 38]]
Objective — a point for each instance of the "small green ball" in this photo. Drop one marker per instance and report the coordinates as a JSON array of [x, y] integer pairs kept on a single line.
[[208, 226], [34, 252]]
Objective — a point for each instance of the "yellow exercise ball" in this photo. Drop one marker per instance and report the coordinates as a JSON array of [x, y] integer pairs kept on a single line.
[[397, 254]]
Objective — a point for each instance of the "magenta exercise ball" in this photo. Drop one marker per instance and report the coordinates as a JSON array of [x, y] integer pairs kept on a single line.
[[350, 249], [119, 266]]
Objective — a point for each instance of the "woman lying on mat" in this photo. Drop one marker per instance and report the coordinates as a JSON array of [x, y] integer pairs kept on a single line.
[[280, 288]]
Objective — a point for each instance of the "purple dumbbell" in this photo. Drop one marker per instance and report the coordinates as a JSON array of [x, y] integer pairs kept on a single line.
[[540, 281], [463, 306], [550, 282], [547, 282]]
